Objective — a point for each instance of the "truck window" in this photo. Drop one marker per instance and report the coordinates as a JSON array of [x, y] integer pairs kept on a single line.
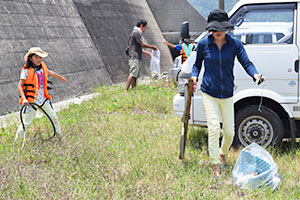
[[258, 38], [238, 36], [279, 36], [264, 24]]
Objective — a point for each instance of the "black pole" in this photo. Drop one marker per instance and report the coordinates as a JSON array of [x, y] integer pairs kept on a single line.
[[221, 4]]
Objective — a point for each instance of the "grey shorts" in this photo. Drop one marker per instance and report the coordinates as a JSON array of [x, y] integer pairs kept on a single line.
[[135, 67]]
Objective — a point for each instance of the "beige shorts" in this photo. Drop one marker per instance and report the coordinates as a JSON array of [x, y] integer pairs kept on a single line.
[[135, 67]]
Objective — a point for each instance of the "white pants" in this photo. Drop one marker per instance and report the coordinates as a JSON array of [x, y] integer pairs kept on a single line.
[[29, 116], [212, 107]]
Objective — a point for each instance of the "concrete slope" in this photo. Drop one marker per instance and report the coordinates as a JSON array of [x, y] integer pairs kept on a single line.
[[85, 40], [169, 15], [109, 23], [56, 27]]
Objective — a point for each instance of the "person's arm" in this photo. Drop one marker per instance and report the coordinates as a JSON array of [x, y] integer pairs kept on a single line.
[[148, 46], [197, 67], [243, 58], [147, 53], [56, 75], [169, 44], [21, 92], [139, 39]]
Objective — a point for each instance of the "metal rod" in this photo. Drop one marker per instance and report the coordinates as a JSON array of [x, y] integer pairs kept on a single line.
[[221, 4]]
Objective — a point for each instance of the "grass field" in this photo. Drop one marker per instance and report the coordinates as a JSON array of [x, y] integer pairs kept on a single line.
[[126, 147]]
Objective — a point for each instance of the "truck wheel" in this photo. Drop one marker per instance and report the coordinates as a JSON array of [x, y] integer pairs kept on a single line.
[[264, 128]]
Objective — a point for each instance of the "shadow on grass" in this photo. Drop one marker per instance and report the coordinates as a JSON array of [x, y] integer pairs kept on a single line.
[[192, 164], [189, 163], [197, 138], [287, 147]]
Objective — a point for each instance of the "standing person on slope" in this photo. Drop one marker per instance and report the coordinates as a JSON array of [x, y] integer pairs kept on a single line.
[[218, 52], [135, 50]]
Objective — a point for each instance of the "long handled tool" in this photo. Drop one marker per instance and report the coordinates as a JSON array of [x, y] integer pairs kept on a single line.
[[186, 116]]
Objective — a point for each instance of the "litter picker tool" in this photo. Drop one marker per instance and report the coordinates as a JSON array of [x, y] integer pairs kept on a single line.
[[186, 116]]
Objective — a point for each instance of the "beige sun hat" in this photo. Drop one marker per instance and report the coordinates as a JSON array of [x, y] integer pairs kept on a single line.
[[35, 50]]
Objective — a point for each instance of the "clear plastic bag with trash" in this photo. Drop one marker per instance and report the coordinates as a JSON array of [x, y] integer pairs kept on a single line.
[[155, 64], [255, 167]]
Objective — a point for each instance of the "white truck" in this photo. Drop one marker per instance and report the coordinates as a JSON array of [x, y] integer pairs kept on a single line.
[[268, 112]]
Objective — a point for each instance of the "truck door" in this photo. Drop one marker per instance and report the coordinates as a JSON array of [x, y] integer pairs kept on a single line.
[[277, 59]]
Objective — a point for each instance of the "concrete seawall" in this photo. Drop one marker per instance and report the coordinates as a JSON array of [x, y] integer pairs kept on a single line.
[[85, 40], [57, 28], [110, 22], [169, 15]]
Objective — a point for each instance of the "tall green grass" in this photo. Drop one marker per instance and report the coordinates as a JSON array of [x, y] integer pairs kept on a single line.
[[121, 146]]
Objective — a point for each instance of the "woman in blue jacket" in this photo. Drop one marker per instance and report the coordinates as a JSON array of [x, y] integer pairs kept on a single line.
[[218, 52]]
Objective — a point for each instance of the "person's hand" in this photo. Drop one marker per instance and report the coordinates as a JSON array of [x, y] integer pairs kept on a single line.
[[194, 83], [165, 41], [25, 102], [63, 79], [259, 78], [149, 55], [154, 48]]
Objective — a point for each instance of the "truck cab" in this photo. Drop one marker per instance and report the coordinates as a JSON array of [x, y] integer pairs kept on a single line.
[[268, 112]]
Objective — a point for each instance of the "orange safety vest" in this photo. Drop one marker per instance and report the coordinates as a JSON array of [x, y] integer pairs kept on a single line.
[[31, 84], [182, 53]]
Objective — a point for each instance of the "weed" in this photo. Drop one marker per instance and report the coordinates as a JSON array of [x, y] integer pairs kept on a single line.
[[125, 147]]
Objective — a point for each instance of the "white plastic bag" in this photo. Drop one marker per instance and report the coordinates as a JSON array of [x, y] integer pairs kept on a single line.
[[188, 64], [155, 64], [255, 167]]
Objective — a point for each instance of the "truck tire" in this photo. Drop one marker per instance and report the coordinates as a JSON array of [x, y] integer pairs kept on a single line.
[[264, 128]]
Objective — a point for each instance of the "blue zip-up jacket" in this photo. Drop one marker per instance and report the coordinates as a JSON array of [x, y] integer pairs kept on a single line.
[[218, 78]]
